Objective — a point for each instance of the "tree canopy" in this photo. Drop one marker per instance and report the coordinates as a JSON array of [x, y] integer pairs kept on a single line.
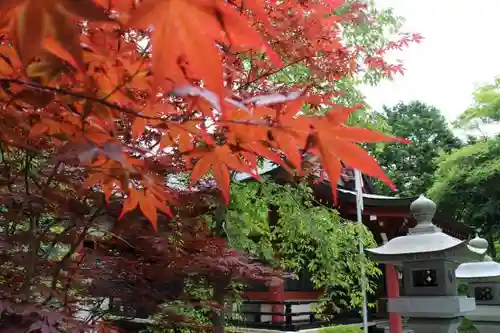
[[463, 186], [486, 106], [306, 234], [464, 179], [411, 167]]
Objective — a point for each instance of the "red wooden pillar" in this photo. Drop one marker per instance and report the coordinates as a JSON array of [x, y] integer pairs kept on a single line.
[[277, 294], [392, 286]]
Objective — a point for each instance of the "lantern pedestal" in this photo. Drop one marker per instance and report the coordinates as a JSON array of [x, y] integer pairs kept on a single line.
[[486, 318], [432, 306], [485, 327], [435, 325], [486, 313]]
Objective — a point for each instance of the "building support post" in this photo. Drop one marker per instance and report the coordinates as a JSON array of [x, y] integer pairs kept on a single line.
[[277, 294], [392, 286]]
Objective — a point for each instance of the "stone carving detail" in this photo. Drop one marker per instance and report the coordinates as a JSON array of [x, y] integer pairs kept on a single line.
[[483, 294], [425, 278]]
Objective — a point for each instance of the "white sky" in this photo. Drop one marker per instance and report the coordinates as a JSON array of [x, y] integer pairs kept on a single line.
[[461, 49]]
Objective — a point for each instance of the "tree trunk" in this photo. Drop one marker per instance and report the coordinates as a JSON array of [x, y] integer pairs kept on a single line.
[[219, 298], [219, 286], [31, 264]]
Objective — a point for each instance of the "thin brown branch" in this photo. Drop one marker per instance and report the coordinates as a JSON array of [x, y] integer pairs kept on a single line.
[[129, 79], [60, 264], [34, 246], [37, 86], [52, 175], [263, 76]]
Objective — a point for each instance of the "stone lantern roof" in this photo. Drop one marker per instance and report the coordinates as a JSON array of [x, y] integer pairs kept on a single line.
[[425, 241], [479, 270]]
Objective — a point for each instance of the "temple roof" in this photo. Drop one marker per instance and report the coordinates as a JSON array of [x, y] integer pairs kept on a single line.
[[344, 191], [347, 198], [346, 180], [375, 199]]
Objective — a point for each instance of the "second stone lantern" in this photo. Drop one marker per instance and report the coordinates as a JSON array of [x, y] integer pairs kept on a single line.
[[484, 285], [428, 259]]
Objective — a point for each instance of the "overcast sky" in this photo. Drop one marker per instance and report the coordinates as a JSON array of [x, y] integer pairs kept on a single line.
[[461, 49]]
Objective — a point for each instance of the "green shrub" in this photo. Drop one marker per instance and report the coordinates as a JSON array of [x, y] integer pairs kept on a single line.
[[341, 329], [467, 326]]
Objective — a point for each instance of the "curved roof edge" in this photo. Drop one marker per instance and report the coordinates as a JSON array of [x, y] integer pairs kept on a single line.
[[418, 244], [377, 200], [369, 200], [482, 269]]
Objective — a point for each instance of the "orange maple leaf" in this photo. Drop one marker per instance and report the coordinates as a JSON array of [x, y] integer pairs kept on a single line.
[[336, 142], [138, 126], [35, 20], [195, 27], [192, 27], [219, 160], [241, 36], [149, 201]]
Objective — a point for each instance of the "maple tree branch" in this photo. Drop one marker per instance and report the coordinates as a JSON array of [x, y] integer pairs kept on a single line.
[[34, 243], [21, 146], [36, 86], [59, 236], [129, 79], [219, 287], [7, 168], [244, 86], [53, 173], [60, 264], [70, 279], [34, 246], [27, 163]]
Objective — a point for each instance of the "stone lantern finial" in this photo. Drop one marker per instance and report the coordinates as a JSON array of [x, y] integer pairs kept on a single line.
[[423, 210], [479, 243]]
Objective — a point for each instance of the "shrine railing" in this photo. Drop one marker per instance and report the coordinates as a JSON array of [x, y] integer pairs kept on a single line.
[[288, 316], [276, 315], [279, 316]]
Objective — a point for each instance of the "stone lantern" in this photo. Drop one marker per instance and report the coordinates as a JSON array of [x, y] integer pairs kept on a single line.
[[484, 285], [428, 259]]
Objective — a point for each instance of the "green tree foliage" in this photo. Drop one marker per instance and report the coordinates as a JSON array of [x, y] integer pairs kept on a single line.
[[306, 234], [467, 326], [486, 106], [466, 177], [485, 110], [465, 185], [197, 316], [411, 167]]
